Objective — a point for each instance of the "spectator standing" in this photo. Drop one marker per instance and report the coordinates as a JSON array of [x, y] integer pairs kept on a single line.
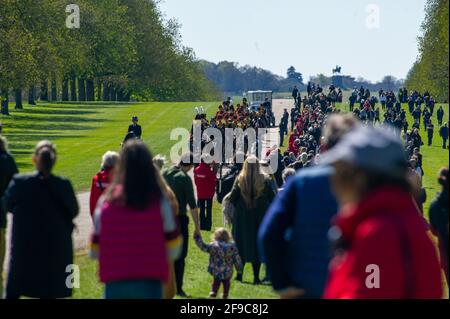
[[439, 219], [43, 207], [102, 179], [251, 195], [133, 227], [178, 180], [205, 181], [8, 169]]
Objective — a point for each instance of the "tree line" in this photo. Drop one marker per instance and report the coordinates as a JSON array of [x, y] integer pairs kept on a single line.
[[430, 71], [387, 83], [122, 50], [231, 78]]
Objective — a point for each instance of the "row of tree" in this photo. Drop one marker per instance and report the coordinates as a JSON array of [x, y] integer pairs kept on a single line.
[[431, 69], [122, 50], [232, 78]]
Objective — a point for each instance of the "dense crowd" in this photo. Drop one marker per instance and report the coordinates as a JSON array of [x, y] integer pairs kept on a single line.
[[343, 184]]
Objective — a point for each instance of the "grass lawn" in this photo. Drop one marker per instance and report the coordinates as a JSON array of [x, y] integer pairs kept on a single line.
[[82, 132]]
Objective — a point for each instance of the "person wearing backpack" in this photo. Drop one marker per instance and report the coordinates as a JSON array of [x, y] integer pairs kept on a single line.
[[102, 179]]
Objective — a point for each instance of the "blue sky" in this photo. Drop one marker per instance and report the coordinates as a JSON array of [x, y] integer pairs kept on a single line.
[[313, 36]]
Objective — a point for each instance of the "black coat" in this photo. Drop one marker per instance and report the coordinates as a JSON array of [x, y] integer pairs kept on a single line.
[[7, 170], [43, 212], [136, 129]]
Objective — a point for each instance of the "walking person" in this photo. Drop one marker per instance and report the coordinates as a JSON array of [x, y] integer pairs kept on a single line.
[[8, 169], [295, 94], [205, 182], [439, 219], [133, 226], [178, 180], [251, 195], [378, 231], [102, 179], [223, 257], [135, 128], [440, 115], [443, 132], [430, 132], [43, 207]]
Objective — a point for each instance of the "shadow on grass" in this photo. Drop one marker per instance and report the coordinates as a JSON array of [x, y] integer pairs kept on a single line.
[[24, 141], [55, 111], [61, 126], [56, 118]]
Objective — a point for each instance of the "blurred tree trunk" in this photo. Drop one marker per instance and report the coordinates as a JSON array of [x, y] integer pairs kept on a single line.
[[120, 95], [106, 91], [44, 91], [81, 89], [113, 94], [18, 98], [99, 90], [4, 104], [90, 95], [54, 91], [32, 95], [65, 89], [73, 88]]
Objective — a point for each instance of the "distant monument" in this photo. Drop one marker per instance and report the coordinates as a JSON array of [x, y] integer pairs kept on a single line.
[[337, 77]]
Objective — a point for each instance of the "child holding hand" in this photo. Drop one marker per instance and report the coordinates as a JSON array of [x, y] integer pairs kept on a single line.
[[223, 255]]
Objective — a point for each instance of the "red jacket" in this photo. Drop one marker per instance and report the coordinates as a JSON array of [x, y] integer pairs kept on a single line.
[[205, 181], [100, 183], [384, 229]]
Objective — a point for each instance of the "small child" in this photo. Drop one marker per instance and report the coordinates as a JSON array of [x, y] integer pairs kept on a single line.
[[223, 255]]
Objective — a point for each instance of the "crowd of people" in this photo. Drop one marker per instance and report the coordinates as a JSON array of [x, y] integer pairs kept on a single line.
[[343, 186]]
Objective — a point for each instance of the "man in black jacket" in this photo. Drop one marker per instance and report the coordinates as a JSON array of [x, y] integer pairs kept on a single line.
[[7, 170], [295, 93], [443, 132], [135, 127]]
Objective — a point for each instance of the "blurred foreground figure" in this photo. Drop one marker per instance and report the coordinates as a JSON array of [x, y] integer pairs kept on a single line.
[[293, 235], [7, 170], [136, 234], [43, 208], [382, 249], [439, 218]]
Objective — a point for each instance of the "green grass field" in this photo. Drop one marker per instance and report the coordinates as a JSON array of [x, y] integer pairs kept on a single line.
[[83, 132]]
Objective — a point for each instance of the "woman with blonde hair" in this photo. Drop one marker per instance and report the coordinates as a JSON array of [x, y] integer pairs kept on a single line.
[[251, 196]]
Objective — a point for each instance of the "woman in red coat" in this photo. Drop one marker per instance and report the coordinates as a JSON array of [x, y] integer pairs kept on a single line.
[[102, 179], [381, 243], [205, 182]]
